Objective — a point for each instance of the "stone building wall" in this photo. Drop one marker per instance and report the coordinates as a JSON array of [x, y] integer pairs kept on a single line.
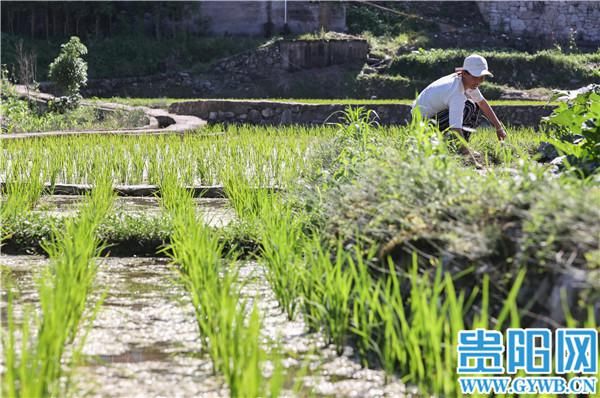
[[259, 18], [552, 21]]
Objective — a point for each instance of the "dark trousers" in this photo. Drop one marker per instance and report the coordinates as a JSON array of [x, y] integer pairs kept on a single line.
[[471, 116]]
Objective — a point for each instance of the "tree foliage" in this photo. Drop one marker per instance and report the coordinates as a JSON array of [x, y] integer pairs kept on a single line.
[[69, 70]]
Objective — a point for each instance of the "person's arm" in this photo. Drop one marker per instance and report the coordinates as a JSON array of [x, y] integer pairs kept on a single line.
[[489, 113]]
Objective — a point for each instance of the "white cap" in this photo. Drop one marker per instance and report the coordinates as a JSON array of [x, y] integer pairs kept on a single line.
[[476, 65]]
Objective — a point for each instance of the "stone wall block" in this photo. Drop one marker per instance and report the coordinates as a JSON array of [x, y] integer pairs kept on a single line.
[[254, 116], [252, 112], [544, 18], [286, 117]]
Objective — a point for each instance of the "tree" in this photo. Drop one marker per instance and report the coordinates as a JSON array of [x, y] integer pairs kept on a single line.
[[69, 70]]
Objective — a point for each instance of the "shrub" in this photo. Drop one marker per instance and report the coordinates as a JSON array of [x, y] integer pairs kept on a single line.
[[385, 86], [69, 70], [64, 104], [491, 91], [576, 126], [516, 69]]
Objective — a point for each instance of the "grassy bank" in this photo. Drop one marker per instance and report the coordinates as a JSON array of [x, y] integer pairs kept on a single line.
[[164, 103], [548, 68]]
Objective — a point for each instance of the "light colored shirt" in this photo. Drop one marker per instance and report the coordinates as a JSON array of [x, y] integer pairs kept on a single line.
[[447, 93]]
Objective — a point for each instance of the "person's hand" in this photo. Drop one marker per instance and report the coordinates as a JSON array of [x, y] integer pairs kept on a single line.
[[501, 134]]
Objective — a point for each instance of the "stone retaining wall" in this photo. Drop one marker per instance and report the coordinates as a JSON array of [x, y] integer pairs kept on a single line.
[[267, 71], [548, 20], [275, 113], [293, 55]]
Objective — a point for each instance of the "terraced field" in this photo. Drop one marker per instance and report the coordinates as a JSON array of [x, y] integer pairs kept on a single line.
[[338, 261]]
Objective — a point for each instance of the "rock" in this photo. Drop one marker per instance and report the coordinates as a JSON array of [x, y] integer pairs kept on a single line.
[[267, 112], [212, 116], [286, 117], [517, 26], [547, 151], [254, 116], [367, 70], [567, 95], [558, 161]]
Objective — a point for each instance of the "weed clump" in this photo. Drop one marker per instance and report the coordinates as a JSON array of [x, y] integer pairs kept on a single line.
[[414, 196]]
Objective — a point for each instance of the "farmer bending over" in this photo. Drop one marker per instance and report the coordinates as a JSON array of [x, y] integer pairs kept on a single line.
[[455, 102]]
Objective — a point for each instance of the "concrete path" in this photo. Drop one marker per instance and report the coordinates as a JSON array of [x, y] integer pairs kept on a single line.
[[161, 121]]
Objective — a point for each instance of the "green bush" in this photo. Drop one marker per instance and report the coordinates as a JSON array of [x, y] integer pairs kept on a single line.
[[361, 18], [385, 86], [69, 70], [21, 116], [516, 69], [576, 126], [491, 91]]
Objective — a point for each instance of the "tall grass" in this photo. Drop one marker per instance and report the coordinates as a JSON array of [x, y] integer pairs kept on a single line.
[[63, 290]]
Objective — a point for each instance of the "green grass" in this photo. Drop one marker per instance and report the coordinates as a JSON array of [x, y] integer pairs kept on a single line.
[[132, 55], [162, 103], [548, 68]]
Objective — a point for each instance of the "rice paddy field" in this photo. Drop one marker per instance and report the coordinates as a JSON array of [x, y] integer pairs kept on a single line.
[[340, 260]]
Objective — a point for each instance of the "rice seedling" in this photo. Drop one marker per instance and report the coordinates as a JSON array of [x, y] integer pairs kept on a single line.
[[281, 238], [267, 154], [377, 188], [21, 192], [63, 290], [327, 292], [230, 338], [364, 319]]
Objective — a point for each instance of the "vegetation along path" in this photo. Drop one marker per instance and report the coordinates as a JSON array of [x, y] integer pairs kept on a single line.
[[159, 120]]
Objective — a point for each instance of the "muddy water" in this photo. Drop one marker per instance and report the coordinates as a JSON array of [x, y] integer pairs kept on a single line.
[[328, 374], [144, 341], [215, 212]]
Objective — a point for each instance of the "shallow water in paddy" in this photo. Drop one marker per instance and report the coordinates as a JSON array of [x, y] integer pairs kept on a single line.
[[215, 212], [144, 341]]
